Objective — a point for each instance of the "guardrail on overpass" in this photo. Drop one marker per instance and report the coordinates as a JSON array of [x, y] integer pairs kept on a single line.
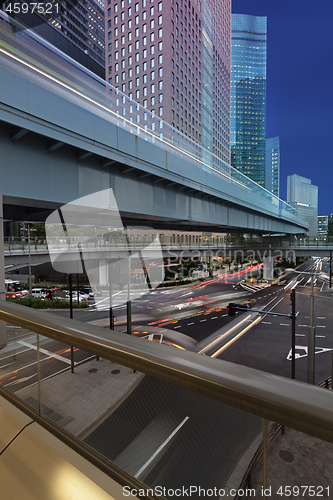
[[242, 395]]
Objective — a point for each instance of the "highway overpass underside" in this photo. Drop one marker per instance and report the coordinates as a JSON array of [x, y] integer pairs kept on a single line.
[[40, 173]]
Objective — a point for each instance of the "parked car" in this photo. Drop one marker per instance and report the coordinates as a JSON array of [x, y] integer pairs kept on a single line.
[[88, 291]]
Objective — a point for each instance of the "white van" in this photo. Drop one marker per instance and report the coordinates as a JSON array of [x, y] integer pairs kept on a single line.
[[39, 293]]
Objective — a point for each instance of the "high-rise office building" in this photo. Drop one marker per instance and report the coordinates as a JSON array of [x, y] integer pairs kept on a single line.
[[173, 57], [272, 175], [75, 28], [248, 95], [322, 226], [302, 195]]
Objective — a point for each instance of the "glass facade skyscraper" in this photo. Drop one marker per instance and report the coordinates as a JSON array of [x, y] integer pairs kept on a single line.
[[303, 195], [272, 177], [248, 95]]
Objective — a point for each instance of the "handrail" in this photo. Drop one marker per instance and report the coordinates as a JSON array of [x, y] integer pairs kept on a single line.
[[297, 405]]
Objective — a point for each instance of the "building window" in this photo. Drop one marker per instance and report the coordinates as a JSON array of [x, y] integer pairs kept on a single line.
[[130, 73], [137, 70], [145, 91], [122, 40], [144, 66], [151, 11], [129, 11], [136, 32], [152, 37], [137, 94], [144, 53], [137, 44], [115, 20], [123, 51], [122, 16], [130, 60], [130, 23], [123, 87], [144, 78], [160, 97], [160, 45], [136, 7], [116, 67], [116, 55], [152, 88], [115, 8], [123, 75], [160, 71], [116, 79], [144, 15], [152, 103], [160, 20], [152, 49], [144, 28], [144, 41], [152, 62], [145, 103], [137, 57], [130, 84], [130, 48], [136, 19], [152, 75], [116, 32], [152, 24], [137, 82], [160, 59]]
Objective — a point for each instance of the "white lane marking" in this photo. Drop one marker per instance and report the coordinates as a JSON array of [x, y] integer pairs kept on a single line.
[[149, 307], [266, 322], [284, 324], [188, 324], [224, 315], [202, 320], [320, 326], [215, 317], [299, 334], [303, 325], [321, 317], [322, 336], [44, 351], [19, 380], [176, 327], [322, 286], [15, 353], [160, 448]]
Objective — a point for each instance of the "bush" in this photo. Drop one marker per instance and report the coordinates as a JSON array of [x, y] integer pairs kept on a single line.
[[47, 304]]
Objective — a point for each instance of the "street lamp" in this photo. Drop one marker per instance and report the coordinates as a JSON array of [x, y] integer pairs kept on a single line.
[[311, 329]]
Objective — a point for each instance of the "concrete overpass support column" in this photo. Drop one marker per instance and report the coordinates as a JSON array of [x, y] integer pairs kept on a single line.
[[3, 330], [268, 268], [210, 266], [103, 272]]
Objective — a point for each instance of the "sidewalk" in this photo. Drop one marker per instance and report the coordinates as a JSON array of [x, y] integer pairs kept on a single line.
[[81, 400], [296, 460]]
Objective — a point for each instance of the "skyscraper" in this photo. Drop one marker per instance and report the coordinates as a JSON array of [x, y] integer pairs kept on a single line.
[[272, 176], [248, 95], [75, 28], [173, 57], [302, 195]]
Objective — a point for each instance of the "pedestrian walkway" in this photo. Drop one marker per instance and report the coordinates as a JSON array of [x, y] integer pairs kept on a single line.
[[297, 463], [80, 401]]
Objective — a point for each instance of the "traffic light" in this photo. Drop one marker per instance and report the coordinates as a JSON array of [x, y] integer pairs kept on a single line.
[[233, 307]]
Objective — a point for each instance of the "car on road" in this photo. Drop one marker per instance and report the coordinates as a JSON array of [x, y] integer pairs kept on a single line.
[[87, 290]]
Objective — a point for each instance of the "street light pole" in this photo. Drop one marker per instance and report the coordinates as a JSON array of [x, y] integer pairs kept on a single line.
[[311, 337], [29, 261]]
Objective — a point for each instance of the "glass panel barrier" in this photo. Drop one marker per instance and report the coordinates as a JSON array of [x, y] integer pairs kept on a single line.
[[175, 441]]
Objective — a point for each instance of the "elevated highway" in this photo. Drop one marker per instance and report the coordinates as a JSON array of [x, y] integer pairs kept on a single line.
[[65, 133]]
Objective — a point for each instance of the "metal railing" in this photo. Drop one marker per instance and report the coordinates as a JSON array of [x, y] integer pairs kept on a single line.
[[296, 405]]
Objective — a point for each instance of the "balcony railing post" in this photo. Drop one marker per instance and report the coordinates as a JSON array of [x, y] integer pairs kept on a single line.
[[265, 442]]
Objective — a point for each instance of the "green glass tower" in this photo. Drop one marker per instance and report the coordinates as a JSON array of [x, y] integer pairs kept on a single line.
[[248, 95]]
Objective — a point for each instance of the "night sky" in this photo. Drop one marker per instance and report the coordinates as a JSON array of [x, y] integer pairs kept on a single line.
[[299, 88]]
